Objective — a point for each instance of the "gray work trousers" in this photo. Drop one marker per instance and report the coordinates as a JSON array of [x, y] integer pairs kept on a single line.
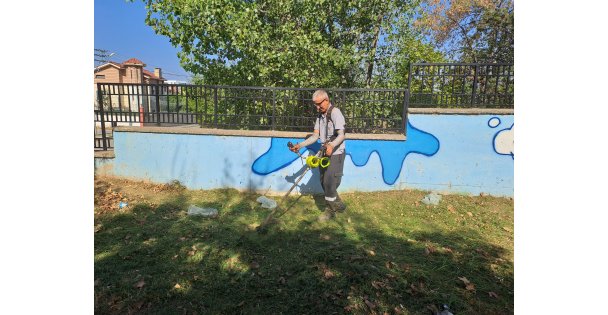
[[332, 175]]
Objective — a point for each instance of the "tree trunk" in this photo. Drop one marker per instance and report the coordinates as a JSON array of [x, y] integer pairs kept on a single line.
[[372, 54]]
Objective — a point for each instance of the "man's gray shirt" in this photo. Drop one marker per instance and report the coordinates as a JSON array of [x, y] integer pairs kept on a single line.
[[337, 122]]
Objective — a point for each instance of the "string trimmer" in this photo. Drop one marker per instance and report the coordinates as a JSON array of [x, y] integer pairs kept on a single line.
[[312, 161]]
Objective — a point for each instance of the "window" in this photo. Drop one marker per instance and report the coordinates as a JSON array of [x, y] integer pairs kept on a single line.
[[100, 76]]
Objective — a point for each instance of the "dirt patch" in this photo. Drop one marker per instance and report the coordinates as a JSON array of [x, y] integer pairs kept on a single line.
[[111, 191]]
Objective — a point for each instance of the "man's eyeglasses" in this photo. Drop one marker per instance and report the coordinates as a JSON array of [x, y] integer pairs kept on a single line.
[[319, 104]]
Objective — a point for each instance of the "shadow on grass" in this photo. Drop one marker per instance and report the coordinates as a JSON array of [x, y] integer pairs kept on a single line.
[[157, 260]]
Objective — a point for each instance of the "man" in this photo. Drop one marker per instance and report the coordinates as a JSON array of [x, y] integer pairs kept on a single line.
[[330, 129]]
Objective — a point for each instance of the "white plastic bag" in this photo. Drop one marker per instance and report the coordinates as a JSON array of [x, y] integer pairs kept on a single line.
[[431, 199], [206, 212], [267, 202]]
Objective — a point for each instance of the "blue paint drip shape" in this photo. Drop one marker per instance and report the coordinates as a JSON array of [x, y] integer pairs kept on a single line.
[[392, 153]]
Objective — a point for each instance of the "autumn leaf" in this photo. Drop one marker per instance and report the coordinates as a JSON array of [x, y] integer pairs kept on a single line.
[[177, 286], [493, 294], [390, 265], [370, 304], [433, 308], [451, 209], [467, 284], [254, 265], [140, 284]]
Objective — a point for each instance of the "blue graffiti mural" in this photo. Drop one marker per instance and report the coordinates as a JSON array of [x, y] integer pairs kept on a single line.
[[392, 153], [503, 139]]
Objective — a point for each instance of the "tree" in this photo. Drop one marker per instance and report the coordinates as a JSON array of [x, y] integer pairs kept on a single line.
[[470, 30], [302, 43]]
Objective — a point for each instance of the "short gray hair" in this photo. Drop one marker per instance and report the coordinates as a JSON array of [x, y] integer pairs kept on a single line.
[[320, 93]]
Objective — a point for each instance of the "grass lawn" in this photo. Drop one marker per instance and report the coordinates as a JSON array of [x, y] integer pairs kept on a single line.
[[388, 254]]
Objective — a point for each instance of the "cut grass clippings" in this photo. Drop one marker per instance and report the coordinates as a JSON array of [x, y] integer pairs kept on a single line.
[[388, 253]]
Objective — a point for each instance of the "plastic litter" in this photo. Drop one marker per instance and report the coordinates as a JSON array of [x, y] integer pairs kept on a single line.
[[206, 212], [122, 204], [431, 199], [267, 202], [445, 310]]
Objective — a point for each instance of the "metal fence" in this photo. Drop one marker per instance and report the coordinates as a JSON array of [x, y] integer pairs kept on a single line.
[[437, 85], [241, 107], [461, 85]]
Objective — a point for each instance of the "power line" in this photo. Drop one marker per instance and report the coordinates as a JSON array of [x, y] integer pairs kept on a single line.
[[104, 55]]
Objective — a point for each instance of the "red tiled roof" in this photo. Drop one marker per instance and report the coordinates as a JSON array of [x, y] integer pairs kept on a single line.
[[135, 61], [151, 75]]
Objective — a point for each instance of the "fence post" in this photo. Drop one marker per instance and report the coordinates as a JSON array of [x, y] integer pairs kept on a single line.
[[157, 106], [406, 103], [274, 103], [474, 85], [103, 121], [409, 78], [215, 106]]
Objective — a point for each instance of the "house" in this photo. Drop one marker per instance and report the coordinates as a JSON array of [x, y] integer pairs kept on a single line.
[[130, 71], [130, 98]]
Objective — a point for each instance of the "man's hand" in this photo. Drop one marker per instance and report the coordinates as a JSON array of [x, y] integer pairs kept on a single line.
[[295, 148], [329, 149]]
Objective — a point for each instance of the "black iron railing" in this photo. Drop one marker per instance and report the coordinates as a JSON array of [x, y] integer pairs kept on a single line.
[[461, 85], [242, 107], [437, 85]]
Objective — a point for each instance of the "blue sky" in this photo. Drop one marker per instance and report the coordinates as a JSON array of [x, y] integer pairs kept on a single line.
[[120, 27]]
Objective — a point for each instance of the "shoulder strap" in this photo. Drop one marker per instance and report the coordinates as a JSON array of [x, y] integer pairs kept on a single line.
[[328, 115]]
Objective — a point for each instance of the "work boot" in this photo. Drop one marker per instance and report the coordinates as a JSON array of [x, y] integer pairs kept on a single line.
[[328, 214], [339, 205]]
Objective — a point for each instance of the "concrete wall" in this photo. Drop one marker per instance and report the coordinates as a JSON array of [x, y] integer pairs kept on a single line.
[[448, 153]]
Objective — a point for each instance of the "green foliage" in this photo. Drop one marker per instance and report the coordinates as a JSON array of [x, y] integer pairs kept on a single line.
[[303, 43]]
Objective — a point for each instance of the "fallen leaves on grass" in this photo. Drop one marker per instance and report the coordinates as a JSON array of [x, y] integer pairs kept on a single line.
[[369, 304], [429, 249], [390, 265], [415, 288], [451, 209], [467, 284], [108, 200]]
